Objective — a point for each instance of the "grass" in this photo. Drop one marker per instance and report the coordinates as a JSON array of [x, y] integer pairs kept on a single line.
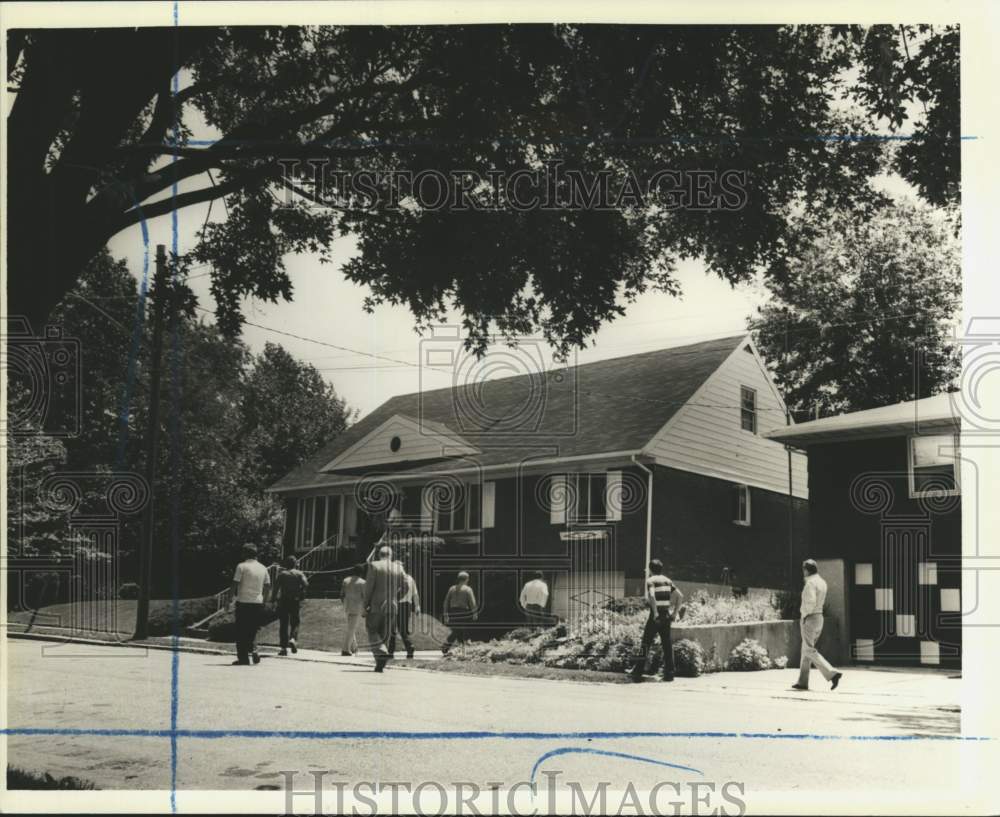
[[323, 624], [116, 616], [22, 779]]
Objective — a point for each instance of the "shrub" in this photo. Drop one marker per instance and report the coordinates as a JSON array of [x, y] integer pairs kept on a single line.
[[24, 779], [129, 590], [689, 658], [748, 655], [786, 603], [780, 662], [728, 609]]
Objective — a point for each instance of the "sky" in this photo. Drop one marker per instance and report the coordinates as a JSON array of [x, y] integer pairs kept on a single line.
[[387, 352]]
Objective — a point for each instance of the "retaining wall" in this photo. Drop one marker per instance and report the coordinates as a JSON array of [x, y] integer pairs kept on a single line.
[[779, 637]]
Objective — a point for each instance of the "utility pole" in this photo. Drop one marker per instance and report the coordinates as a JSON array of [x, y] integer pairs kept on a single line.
[[160, 296]]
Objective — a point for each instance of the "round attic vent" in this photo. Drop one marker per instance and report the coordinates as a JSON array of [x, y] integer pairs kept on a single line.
[[394, 444]]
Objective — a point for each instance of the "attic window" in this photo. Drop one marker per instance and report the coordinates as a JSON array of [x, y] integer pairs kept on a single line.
[[748, 409], [394, 444]]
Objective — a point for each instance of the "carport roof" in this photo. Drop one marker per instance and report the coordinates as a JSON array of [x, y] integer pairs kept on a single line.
[[930, 415]]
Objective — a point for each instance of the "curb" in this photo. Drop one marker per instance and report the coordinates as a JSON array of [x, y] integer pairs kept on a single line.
[[197, 650]]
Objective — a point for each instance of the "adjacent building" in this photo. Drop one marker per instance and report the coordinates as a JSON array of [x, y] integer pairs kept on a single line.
[[885, 504]]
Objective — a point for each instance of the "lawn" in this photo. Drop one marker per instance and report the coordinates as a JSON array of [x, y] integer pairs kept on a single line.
[[324, 623], [116, 616], [322, 628]]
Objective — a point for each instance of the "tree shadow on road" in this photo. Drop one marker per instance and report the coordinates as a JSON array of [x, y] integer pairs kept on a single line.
[[942, 720]]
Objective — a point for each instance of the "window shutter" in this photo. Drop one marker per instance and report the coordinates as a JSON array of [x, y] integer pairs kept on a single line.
[[736, 503], [557, 497], [489, 504], [426, 509], [613, 496]]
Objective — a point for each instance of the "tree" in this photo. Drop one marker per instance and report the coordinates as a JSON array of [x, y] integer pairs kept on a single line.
[[98, 136], [281, 432], [231, 424], [866, 313]]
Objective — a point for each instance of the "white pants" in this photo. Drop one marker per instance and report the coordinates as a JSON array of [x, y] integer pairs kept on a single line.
[[351, 634], [812, 626]]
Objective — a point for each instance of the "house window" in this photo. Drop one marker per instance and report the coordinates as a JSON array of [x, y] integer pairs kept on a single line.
[[741, 505], [462, 513], [748, 409], [317, 521], [588, 498], [934, 465]]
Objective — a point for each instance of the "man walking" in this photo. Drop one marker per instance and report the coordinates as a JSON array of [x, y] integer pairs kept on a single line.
[[352, 596], [383, 587], [664, 601], [535, 599], [811, 624], [251, 583], [289, 591], [409, 605], [459, 607]]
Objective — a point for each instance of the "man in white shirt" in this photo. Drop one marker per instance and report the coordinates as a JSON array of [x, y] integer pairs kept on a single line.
[[535, 600], [251, 583], [811, 624]]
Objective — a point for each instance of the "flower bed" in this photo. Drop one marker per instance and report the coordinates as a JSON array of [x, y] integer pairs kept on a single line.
[[705, 640]]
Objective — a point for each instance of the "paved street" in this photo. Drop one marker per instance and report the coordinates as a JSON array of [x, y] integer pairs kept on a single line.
[[121, 688]]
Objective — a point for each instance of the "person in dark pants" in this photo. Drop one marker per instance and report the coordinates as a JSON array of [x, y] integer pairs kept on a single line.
[[251, 583], [535, 599], [664, 600], [459, 607], [409, 605], [289, 591]]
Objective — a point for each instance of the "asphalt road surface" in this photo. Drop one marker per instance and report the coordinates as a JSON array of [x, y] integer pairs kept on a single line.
[[883, 733]]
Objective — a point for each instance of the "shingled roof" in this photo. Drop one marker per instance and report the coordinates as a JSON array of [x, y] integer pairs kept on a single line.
[[593, 409]]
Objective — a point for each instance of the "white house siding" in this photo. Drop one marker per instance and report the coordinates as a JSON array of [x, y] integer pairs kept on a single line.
[[416, 444], [705, 436]]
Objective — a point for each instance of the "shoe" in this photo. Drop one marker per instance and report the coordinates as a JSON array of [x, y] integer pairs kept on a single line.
[[636, 679], [282, 652], [800, 687], [346, 652], [256, 658], [668, 678], [238, 663], [409, 653], [836, 679], [379, 665], [293, 645]]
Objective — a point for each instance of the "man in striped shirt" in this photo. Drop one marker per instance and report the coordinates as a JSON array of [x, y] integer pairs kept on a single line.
[[664, 601]]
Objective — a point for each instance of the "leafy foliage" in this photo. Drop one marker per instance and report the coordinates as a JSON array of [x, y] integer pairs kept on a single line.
[[689, 658], [747, 656], [231, 422], [869, 307], [610, 640], [770, 101]]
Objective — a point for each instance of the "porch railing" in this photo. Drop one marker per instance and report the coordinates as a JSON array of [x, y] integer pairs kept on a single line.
[[312, 561]]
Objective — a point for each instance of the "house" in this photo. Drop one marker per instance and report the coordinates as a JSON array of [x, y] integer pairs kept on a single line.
[[584, 473], [885, 510]]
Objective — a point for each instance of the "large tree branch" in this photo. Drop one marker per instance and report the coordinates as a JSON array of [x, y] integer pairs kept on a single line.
[[167, 205]]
